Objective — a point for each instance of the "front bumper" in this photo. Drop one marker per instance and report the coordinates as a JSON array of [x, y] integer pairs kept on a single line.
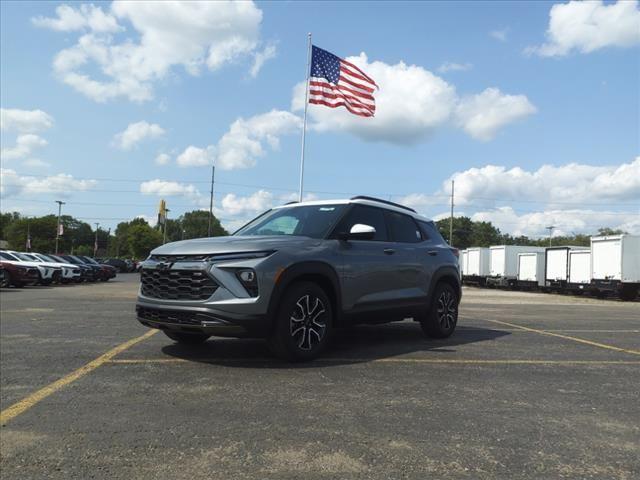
[[201, 320]]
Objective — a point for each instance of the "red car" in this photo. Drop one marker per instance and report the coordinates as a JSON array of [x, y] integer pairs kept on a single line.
[[19, 275]]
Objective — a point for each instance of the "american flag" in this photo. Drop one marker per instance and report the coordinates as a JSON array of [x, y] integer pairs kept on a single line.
[[334, 82]]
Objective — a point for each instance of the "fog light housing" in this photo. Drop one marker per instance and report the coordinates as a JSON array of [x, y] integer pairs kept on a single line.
[[249, 281]]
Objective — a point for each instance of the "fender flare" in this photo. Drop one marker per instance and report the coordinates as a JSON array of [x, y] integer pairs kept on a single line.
[[450, 272], [302, 269]]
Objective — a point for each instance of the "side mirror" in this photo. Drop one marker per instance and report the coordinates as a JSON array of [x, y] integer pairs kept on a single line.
[[359, 232]]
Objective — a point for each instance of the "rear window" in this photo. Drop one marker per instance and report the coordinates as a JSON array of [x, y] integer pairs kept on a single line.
[[403, 228]]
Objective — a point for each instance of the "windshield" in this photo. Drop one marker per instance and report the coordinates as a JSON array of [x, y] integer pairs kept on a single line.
[[8, 256], [22, 256], [31, 257], [313, 221], [90, 260]]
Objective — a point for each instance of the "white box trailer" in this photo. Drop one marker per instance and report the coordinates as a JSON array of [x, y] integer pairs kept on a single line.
[[462, 262], [503, 263], [531, 269], [557, 265], [615, 264], [477, 265], [579, 269]]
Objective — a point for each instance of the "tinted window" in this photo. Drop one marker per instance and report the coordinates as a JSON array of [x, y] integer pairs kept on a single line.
[[403, 228], [8, 256], [371, 216], [431, 232]]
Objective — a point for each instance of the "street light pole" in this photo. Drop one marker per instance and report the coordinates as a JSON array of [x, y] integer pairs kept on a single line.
[[166, 222], [58, 230], [550, 228]]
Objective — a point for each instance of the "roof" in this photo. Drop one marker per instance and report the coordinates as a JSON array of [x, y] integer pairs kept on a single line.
[[362, 200]]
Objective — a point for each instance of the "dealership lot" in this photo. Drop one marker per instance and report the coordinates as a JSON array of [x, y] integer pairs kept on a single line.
[[530, 386]]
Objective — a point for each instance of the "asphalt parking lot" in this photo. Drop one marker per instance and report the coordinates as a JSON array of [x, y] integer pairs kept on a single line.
[[530, 386]]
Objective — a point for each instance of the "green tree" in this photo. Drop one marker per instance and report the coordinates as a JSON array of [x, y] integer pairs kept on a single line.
[[5, 220], [610, 231], [141, 239], [196, 222]]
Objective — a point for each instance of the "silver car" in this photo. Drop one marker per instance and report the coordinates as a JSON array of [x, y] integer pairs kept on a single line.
[[300, 270]]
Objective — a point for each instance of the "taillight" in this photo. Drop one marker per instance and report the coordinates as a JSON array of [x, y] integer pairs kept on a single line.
[[456, 252]]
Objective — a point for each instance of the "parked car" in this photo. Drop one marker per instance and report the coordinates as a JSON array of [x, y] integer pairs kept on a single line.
[[300, 270], [107, 272], [47, 273], [4, 277], [88, 273], [69, 271], [119, 264], [19, 275]]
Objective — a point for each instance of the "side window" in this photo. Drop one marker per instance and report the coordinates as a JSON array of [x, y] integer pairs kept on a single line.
[[403, 228], [366, 216], [430, 232]]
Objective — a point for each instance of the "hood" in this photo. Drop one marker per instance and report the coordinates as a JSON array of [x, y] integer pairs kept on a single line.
[[233, 244]]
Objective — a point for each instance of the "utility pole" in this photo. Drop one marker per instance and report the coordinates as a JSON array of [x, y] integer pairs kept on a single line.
[[95, 245], [213, 172], [550, 228], [166, 221], [58, 230], [28, 244], [451, 217]]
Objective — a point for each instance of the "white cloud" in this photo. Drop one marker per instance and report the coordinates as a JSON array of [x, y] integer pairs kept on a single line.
[[169, 189], [245, 140], [454, 67], [260, 58], [86, 17], [590, 26], [162, 159], [500, 35], [566, 221], [161, 37], [24, 121], [412, 104], [36, 163], [257, 202], [25, 145], [150, 219], [482, 115], [571, 183], [196, 157], [136, 133], [14, 184]]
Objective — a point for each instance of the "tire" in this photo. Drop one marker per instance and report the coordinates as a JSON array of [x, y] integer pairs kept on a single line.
[[303, 324], [441, 319], [187, 338]]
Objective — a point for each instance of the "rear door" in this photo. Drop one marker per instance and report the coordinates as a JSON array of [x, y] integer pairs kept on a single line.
[[413, 265], [368, 265]]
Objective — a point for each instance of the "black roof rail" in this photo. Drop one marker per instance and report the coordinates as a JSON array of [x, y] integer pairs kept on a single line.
[[292, 201], [379, 200]]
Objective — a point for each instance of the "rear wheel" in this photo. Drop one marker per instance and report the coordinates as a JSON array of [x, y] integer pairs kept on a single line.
[[187, 338], [303, 323], [441, 319]]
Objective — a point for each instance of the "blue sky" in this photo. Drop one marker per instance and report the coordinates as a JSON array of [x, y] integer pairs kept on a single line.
[[537, 120]]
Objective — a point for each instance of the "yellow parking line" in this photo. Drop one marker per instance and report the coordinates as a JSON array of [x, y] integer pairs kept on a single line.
[[134, 361], [36, 397], [567, 337]]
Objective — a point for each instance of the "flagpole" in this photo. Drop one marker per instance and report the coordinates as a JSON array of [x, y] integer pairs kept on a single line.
[[304, 119]]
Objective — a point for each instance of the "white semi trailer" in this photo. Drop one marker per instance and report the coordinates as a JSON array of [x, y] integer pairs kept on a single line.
[[531, 269], [579, 277], [477, 265], [557, 266], [503, 264], [615, 265]]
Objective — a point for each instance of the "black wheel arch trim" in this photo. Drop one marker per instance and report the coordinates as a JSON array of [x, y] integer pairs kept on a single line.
[[450, 273], [300, 271]]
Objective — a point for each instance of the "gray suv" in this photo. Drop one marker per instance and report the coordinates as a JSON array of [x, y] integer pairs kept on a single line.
[[298, 271]]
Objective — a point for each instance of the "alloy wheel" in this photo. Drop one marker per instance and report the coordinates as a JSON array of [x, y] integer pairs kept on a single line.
[[308, 322], [447, 310]]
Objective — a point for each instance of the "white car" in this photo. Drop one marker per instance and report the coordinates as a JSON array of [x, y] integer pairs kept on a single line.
[[48, 273], [70, 272]]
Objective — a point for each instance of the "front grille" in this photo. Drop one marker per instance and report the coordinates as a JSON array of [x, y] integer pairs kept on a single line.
[[179, 258], [177, 284], [167, 316]]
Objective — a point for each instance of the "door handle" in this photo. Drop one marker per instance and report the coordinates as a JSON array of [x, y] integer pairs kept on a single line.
[[433, 253], [389, 251]]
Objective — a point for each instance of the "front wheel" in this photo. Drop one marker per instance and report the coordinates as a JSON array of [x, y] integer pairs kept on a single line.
[[303, 323], [187, 338], [441, 319]]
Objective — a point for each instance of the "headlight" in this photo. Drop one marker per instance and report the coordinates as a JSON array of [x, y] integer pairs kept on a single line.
[[249, 280]]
